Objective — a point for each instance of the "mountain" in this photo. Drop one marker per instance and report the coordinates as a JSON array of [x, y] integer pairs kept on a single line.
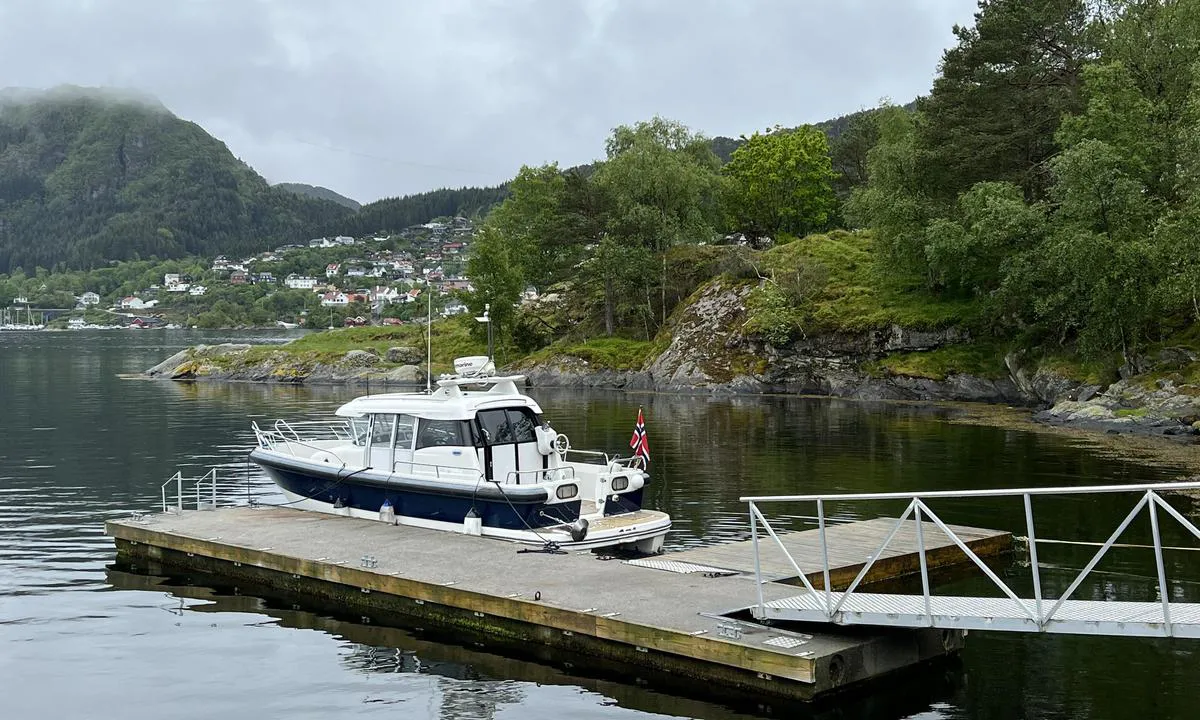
[[397, 213], [317, 192], [723, 147], [90, 175]]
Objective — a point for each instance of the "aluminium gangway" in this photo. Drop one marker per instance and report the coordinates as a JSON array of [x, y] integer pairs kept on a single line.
[[1160, 618]]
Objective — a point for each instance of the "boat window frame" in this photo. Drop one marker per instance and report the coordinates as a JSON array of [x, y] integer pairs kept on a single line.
[[489, 447], [412, 438], [466, 433], [520, 410]]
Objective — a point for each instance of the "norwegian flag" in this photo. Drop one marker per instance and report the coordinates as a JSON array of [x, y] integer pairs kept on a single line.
[[639, 442]]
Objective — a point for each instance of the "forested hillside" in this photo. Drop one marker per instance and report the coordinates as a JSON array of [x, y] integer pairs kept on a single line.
[[319, 193], [1052, 177], [1044, 198], [89, 176], [392, 214]]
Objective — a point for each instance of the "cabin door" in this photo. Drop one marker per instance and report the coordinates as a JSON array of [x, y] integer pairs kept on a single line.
[[402, 459], [510, 445], [379, 450]]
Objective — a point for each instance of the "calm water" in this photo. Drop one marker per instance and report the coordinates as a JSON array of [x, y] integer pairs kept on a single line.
[[78, 445]]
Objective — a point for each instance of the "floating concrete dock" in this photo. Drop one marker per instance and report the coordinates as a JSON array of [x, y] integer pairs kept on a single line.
[[850, 545], [688, 622]]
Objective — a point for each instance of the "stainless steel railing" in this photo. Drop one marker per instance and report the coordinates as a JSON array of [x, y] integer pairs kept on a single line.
[[209, 479], [918, 509]]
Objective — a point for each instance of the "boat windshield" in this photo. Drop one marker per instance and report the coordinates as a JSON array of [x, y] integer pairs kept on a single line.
[[358, 428]]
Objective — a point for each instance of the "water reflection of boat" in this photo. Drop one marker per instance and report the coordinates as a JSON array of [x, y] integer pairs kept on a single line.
[[474, 456]]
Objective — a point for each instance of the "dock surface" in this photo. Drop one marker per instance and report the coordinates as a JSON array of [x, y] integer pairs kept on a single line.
[[850, 546], [672, 622]]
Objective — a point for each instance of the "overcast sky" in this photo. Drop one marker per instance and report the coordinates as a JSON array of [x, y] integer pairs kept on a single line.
[[375, 98]]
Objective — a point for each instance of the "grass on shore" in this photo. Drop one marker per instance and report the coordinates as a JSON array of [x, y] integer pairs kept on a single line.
[[611, 353], [451, 338], [841, 290], [983, 359]]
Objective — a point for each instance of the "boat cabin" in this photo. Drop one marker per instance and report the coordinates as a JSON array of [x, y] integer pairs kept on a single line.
[[498, 433]]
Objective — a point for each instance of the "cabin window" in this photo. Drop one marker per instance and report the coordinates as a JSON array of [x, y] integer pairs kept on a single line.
[[405, 429], [381, 430], [496, 430], [443, 433], [503, 427]]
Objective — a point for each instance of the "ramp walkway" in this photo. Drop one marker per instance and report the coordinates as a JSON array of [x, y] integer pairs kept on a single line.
[[1118, 617]]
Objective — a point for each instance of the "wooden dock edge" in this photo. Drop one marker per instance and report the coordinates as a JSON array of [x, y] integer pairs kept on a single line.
[[707, 660], [890, 569]]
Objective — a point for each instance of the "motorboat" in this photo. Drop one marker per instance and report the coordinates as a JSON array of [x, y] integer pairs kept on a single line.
[[473, 456]]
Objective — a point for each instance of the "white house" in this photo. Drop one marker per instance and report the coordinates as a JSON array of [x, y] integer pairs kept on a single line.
[[381, 294], [170, 279], [321, 243], [197, 290], [344, 240], [454, 307], [332, 269], [20, 300], [133, 302], [178, 287], [300, 282], [355, 272], [221, 263], [89, 298], [335, 299]]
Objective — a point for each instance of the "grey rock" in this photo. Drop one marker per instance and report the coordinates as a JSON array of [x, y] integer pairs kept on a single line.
[[170, 364], [404, 374], [360, 358], [1087, 392], [1174, 357], [1050, 387], [404, 355]]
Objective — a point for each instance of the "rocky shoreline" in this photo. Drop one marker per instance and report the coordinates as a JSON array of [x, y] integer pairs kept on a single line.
[[237, 362], [709, 354]]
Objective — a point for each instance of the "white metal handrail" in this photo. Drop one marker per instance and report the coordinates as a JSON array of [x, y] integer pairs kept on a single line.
[[563, 473], [459, 470], [918, 510], [209, 478]]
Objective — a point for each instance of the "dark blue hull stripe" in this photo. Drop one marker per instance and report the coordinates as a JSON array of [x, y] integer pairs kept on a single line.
[[451, 508]]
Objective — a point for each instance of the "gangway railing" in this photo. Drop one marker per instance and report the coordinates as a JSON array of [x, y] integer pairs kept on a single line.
[[208, 482], [1012, 612]]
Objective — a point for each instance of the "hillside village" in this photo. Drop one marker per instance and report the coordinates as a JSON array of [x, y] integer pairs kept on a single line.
[[343, 280]]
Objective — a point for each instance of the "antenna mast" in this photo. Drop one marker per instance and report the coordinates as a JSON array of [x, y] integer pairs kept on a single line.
[[428, 340]]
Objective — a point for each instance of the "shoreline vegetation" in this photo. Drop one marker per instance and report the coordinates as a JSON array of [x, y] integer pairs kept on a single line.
[[1025, 235], [326, 363]]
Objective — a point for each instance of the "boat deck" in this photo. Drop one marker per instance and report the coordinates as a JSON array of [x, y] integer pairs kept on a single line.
[[689, 624]]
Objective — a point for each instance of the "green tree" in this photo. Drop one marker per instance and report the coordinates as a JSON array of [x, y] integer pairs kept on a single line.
[[534, 224], [497, 278], [893, 202], [848, 153], [968, 255], [781, 182], [1001, 92], [661, 185]]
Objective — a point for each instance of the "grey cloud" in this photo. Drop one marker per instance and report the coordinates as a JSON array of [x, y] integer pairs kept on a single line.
[[375, 98]]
